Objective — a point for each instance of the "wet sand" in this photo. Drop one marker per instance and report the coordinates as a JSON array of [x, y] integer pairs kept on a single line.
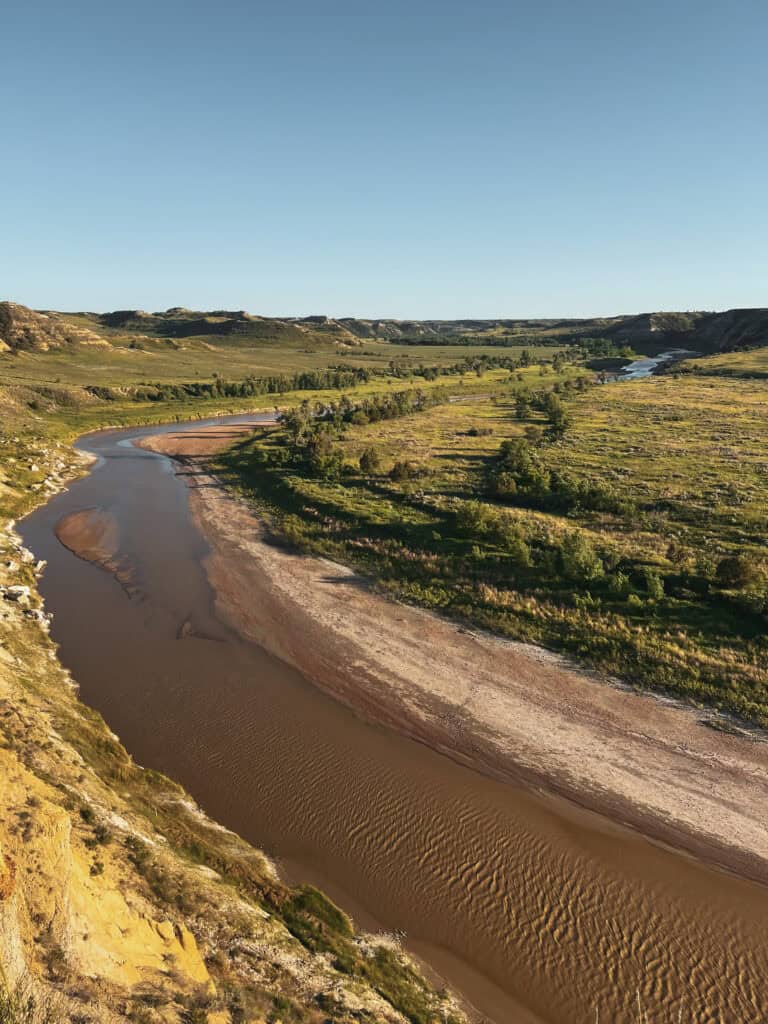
[[536, 908], [93, 535]]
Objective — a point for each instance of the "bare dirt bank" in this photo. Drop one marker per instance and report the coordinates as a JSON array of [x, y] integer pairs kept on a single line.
[[510, 709]]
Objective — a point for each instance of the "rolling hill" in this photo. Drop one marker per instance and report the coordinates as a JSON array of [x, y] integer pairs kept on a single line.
[[23, 329]]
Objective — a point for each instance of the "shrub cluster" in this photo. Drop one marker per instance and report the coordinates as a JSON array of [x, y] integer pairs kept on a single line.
[[335, 378], [518, 475], [313, 432]]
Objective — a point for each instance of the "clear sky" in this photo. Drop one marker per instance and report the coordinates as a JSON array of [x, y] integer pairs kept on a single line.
[[410, 158]]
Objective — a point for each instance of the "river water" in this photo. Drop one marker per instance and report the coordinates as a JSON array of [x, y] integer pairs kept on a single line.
[[647, 365], [533, 910]]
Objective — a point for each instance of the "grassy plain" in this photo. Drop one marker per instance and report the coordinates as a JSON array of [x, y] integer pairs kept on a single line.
[[685, 455], [751, 362], [43, 395], [190, 360]]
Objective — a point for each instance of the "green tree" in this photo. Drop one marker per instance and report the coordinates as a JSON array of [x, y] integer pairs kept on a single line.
[[370, 461], [515, 457], [474, 519], [522, 405], [404, 470], [503, 484], [557, 414], [511, 538], [297, 421], [325, 459], [618, 584], [579, 560], [735, 572], [654, 584]]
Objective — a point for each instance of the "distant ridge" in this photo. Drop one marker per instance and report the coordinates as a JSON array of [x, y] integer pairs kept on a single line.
[[25, 329]]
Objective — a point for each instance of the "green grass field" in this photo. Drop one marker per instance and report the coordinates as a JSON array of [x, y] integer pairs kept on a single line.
[[749, 363], [43, 397], [634, 592], [190, 359]]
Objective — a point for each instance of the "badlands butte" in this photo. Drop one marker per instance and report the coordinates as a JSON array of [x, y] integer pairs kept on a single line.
[[22, 329], [121, 900]]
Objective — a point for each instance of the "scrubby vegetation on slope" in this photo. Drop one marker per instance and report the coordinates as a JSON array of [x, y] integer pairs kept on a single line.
[[747, 363]]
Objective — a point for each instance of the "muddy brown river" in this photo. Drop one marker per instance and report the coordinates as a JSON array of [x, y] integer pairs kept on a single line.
[[533, 910]]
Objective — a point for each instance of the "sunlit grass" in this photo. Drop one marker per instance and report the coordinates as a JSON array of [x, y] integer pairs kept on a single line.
[[687, 453], [751, 362]]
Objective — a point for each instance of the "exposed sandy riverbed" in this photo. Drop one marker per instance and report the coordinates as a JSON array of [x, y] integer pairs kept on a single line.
[[91, 534], [511, 709]]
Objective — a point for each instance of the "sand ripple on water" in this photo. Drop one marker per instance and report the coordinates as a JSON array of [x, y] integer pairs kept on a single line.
[[568, 914]]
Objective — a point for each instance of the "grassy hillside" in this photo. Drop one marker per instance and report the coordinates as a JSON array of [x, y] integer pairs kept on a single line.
[[120, 365], [751, 362], [194, 332]]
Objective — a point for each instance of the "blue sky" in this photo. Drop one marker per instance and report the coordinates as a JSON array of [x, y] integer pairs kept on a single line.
[[413, 158]]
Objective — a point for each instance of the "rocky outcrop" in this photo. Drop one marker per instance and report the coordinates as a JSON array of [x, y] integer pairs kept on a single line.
[[701, 332], [23, 329], [75, 908]]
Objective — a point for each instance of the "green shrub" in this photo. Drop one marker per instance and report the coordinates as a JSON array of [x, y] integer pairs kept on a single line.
[[579, 560], [405, 470], [735, 572], [653, 583], [370, 461], [618, 584]]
